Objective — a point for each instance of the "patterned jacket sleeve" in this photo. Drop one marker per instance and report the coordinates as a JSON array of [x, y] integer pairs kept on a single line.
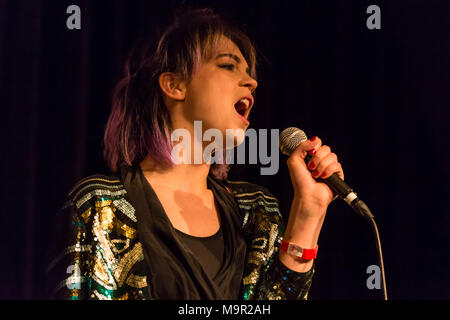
[[278, 282], [68, 269], [265, 276], [96, 253]]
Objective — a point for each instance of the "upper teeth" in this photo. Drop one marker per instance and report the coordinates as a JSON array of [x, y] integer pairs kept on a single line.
[[245, 101]]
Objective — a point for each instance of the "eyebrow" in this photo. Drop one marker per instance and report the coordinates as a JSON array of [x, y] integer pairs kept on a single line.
[[234, 57]]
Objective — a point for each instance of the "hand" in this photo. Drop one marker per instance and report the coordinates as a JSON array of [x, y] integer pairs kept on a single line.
[[323, 164]]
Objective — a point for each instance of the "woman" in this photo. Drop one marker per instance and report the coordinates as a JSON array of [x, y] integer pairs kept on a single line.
[[159, 230]]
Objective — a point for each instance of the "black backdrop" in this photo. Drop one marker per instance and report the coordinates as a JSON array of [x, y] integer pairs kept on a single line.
[[379, 98]]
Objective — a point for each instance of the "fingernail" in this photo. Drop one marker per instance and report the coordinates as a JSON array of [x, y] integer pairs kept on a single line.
[[312, 152], [315, 174], [323, 175], [313, 138], [311, 165]]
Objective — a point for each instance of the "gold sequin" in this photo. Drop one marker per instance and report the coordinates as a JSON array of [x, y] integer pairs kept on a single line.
[[86, 215], [125, 230], [126, 245], [127, 262], [137, 281]]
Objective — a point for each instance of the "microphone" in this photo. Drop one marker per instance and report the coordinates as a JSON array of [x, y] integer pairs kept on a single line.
[[289, 140]]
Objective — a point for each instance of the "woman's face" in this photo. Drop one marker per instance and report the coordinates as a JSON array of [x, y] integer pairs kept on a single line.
[[220, 91]]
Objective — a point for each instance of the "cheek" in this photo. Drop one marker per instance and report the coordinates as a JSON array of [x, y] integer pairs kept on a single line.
[[211, 102], [210, 99]]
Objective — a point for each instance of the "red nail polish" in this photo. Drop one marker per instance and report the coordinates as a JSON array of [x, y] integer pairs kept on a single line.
[[323, 175], [313, 138], [312, 152], [311, 165], [315, 174]]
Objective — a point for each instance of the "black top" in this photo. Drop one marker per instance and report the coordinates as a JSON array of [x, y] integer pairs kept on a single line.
[[175, 267], [208, 250]]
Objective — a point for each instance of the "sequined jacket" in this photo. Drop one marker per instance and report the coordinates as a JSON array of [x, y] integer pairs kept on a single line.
[[103, 259]]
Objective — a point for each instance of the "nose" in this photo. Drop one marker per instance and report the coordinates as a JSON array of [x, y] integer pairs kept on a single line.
[[250, 83]]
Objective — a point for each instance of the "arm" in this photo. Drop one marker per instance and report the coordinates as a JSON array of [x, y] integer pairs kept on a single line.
[[311, 198], [302, 231], [280, 282], [266, 277]]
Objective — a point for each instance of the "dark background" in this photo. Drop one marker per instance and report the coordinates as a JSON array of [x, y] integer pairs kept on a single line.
[[379, 98]]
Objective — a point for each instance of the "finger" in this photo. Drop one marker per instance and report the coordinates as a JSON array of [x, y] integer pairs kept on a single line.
[[317, 155], [319, 165], [308, 145], [335, 167]]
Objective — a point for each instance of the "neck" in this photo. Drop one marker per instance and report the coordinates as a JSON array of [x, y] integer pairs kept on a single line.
[[187, 177], [191, 174]]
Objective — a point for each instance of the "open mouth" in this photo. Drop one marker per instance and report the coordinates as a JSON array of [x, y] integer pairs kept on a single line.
[[243, 107]]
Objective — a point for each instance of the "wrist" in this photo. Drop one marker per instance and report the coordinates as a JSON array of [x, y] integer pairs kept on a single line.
[[293, 263], [309, 204], [303, 227], [305, 209], [303, 235], [297, 251]]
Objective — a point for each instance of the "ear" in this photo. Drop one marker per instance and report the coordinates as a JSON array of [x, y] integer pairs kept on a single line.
[[172, 86]]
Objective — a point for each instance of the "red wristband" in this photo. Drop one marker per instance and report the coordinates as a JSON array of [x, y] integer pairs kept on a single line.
[[295, 250]]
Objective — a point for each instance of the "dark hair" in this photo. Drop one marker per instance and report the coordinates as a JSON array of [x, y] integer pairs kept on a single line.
[[139, 123]]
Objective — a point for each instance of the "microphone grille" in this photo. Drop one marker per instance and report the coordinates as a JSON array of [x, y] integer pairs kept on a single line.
[[290, 138]]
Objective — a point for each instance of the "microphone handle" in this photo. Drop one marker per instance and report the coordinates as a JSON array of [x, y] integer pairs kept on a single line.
[[334, 182], [342, 189]]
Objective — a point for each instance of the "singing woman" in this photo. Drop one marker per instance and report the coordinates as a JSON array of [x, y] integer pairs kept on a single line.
[[156, 229]]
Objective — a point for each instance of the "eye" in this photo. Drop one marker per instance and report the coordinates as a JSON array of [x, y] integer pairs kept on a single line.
[[228, 66]]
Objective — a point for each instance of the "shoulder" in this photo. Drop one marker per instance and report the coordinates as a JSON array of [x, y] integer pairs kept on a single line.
[[97, 187], [104, 198], [247, 190], [260, 211], [99, 218], [97, 183]]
